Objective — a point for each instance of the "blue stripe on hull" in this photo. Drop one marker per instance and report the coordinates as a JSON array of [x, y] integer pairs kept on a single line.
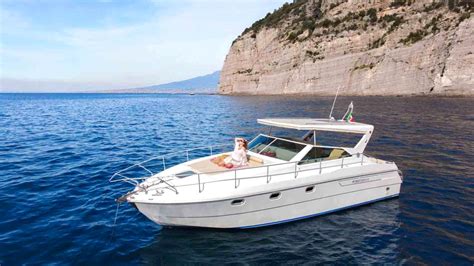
[[318, 214]]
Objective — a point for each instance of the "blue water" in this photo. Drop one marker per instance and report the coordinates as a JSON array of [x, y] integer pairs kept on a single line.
[[57, 152]]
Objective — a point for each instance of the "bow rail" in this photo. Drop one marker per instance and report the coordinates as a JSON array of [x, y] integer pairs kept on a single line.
[[162, 162], [317, 166]]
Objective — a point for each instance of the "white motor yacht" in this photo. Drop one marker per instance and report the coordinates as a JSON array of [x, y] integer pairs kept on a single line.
[[286, 179]]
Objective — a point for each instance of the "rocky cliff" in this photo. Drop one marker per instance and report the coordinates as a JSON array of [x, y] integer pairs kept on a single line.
[[376, 47]]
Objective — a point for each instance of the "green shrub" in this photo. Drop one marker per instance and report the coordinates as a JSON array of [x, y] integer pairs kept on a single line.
[[372, 14], [414, 37], [464, 16], [292, 36], [326, 23], [399, 3], [348, 16], [321, 57], [317, 13], [377, 43], [333, 5], [309, 24], [364, 66], [394, 19], [352, 27], [312, 53], [389, 18], [433, 24], [466, 5], [247, 71], [433, 6], [280, 14]]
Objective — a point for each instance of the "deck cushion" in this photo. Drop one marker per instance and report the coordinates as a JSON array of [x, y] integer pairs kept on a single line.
[[335, 154]]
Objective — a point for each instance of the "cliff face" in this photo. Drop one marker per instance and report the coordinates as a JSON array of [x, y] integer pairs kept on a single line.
[[380, 47]]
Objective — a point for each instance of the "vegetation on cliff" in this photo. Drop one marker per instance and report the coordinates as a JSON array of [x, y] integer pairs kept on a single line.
[[305, 19]]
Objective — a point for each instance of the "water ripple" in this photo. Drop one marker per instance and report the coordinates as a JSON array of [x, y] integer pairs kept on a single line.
[[58, 151]]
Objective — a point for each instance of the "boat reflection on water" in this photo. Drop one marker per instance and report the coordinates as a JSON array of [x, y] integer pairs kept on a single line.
[[367, 234]]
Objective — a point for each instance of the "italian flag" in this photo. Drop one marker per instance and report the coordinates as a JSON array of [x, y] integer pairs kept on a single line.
[[348, 116]]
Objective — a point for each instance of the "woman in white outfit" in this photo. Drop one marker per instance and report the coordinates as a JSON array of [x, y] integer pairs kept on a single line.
[[238, 157]]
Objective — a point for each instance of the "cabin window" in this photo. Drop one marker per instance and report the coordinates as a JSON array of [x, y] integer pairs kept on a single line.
[[238, 202], [309, 189], [319, 153], [337, 139], [275, 196]]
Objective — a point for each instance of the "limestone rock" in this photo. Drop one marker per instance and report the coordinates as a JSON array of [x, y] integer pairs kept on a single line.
[[364, 47]]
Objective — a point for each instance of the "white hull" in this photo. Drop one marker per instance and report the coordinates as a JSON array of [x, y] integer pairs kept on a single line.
[[283, 180], [292, 204]]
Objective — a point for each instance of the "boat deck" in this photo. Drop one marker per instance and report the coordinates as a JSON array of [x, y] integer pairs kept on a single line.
[[206, 166]]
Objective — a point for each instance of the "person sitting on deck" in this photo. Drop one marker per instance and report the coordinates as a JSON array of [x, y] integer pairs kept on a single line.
[[237, 158]]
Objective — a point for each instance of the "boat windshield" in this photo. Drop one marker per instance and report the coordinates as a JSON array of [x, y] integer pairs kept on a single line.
[[277, 148], [258, 144]]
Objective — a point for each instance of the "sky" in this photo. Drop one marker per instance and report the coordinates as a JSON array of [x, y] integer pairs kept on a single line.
[[85, 45]]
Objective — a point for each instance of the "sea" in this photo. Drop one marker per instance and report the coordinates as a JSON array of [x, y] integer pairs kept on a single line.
[[58, 151]]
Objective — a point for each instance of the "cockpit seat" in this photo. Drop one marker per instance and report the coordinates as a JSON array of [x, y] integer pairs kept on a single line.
[[335, 154]]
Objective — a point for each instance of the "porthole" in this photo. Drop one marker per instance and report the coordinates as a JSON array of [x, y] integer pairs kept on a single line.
[[275, 196], [309, 189], [238, 202], [387, 189]]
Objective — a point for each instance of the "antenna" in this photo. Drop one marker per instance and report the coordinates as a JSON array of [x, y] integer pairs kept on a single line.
[[333, 103]]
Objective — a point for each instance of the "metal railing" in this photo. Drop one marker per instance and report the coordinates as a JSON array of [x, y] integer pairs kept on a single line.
[[316, 165], [296, 168], [120, 176]]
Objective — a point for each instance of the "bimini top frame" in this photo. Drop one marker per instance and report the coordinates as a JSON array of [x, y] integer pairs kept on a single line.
[[312, 124]]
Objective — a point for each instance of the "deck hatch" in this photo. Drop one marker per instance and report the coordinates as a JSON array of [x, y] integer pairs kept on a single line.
[[185, 174]]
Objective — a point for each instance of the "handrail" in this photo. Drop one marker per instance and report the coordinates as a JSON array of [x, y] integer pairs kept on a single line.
[[237, 180], [161, 179], [268, 176], [136, 181]]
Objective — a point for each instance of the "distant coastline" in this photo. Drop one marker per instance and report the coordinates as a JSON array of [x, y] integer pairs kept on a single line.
[[155, 91], [205, 84], [112, 92]]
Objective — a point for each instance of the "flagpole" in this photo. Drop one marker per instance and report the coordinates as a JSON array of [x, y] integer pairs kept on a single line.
[[334, 102]]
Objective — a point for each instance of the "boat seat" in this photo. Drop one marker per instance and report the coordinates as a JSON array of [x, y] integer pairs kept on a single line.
[[254, 160], [335, 154], [208, 166]]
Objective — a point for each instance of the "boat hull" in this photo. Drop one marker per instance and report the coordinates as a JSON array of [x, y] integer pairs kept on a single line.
[[286, 205]]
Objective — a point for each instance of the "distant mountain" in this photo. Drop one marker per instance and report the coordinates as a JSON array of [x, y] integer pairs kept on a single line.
[[206, 83]]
